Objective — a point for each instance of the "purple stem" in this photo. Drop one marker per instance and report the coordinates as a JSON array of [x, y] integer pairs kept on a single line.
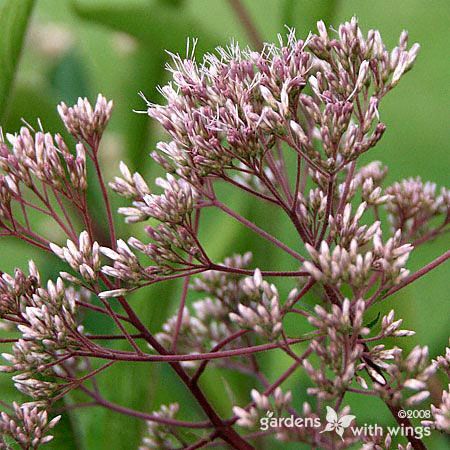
[[420, 273], [257, 230]]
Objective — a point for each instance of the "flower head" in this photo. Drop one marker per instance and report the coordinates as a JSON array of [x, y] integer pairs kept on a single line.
[[84, 121]]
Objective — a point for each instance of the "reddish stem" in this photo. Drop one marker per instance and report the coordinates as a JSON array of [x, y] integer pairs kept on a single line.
[[112, 231], [172, 358], [257, 230], [420, 273], [99, 400]]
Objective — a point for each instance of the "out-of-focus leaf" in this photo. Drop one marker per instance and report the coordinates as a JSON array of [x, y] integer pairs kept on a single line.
[[68, 79], [373, 322], [171, 2], [30, 102], [158, 25], [65, 434], [14, 15], [303, 15], [148, 71]]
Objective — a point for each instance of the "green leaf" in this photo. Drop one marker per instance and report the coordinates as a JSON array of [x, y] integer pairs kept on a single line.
[[148, 23], [69, 78], [303, 15], [66, 434], [147, 71], [373, 322], [14, 15]]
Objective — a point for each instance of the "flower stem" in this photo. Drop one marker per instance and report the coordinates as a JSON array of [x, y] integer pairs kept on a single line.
[[112, 230]]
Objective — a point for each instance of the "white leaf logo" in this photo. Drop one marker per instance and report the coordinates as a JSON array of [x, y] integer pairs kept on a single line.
[[335, 423]]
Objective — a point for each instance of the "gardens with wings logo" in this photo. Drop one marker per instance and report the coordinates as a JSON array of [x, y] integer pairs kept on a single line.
[[337, 423]]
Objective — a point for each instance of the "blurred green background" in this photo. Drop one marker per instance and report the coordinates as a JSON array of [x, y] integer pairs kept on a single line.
[[117, 47]]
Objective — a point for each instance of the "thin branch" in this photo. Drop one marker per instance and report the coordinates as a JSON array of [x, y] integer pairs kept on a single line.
[[112, 231], [171, 358], [144, 416], [420, 273], [216, 348], [267, 273], [258, 230]]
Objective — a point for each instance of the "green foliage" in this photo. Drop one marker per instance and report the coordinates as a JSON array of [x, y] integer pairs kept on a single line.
[[14, 16], [303, 14]]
